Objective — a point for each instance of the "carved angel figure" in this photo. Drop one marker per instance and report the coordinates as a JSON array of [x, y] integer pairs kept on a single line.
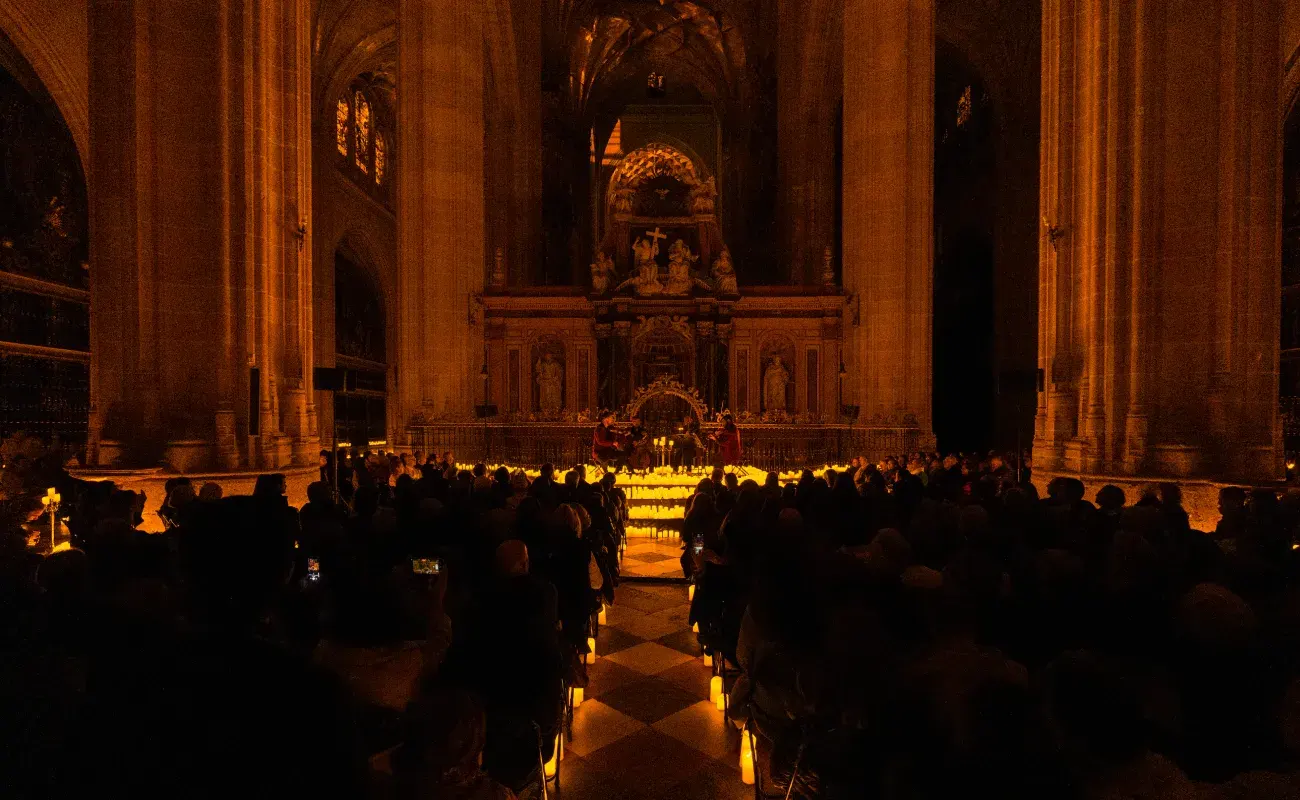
[[724, 274], [602, 272]]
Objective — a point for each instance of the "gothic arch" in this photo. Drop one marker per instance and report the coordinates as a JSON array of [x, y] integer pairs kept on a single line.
[[368, 257], [50, 36]]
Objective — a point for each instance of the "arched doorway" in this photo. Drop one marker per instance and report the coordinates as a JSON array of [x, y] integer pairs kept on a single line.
[[360, 350], [1289, 368], [44, 265]]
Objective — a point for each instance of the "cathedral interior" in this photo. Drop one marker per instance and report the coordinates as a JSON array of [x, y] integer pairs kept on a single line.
[[749, 366], [241, 231]]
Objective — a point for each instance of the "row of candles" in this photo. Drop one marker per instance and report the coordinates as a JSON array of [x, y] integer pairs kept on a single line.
[[575, 692], [657, 512], [718, 696]]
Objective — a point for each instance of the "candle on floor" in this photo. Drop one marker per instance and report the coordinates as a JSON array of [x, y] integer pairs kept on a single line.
[[577, 696], [550, 767], [746, 749], [715, 688], [601, 617], [708, 659], [591, 646], [722, 697], [695, 627], [747, 769], [690, 592]]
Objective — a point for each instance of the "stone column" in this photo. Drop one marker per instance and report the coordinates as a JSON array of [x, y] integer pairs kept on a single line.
[[199, 129], [440, 198], [1159, 252], [888, 231]]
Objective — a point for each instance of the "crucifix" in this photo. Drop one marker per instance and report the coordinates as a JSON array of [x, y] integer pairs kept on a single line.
[[655, 236]]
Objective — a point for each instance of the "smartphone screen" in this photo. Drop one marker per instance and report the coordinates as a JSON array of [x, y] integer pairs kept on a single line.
[[426, 566], [313, 569]]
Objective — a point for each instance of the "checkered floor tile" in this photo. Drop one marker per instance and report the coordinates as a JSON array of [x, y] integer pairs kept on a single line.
[[646, 727], [652, 558]]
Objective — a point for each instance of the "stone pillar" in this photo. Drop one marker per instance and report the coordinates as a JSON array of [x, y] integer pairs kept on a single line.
[[808, 61], [1159, 250], [888, 233], [199, 127], [440, 219]]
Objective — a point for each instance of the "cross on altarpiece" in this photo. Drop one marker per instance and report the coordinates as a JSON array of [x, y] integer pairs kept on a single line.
[[655, 236]]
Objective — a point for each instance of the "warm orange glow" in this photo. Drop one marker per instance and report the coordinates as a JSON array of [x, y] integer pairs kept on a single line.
[[341, 116], [363, 131]]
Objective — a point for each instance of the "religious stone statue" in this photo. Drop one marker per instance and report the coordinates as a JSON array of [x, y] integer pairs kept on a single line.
[[550, 383], [828, 268], [622, 200], [645, 280], [601, 272], [724, 274], [680, 263], [774, 382], [704, 197]]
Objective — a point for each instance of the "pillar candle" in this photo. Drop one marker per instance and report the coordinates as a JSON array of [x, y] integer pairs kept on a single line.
[[715, 688], [601, 617], [695, 628], [591, 645], [747, 769], [690, 592], [708, 660], [722, 698], [577, 696]]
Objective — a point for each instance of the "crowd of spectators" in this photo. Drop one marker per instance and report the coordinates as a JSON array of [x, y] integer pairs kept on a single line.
[[399, 638], [917, 628]]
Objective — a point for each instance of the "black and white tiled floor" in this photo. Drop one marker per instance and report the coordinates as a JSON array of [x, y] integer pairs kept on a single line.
[[646, 728], [652, 558]]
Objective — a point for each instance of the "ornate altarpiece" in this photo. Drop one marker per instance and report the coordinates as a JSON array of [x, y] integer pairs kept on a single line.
[[664, 307]]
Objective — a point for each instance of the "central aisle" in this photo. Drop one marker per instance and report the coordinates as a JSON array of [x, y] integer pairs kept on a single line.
[[646, 728]]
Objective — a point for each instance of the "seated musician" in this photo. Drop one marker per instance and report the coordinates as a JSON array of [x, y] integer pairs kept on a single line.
[[728, 439], [687, 442], [605, 441], [638, 456]]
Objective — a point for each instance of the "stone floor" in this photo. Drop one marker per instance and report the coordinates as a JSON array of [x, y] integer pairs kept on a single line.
[[646, 728], [652, 558]]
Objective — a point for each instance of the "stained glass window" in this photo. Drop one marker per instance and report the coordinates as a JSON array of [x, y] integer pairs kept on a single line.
[[363, 132], [381, 157], [341, 130]]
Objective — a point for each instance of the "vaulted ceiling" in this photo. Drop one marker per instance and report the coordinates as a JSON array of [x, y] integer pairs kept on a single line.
[[352, 38], [600, 52]]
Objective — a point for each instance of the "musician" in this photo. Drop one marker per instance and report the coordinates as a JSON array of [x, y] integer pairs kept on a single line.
[[687, 441], [728, 439], [604, 440], [638, 457]]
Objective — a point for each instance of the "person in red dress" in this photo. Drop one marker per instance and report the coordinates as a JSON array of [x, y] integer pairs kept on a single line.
[[605, 441], [728, 439]]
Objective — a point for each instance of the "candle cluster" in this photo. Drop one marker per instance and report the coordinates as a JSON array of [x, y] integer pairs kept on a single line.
[[657, 512]]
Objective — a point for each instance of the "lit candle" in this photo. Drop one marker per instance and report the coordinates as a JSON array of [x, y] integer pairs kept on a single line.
[[746, 749], [695, 627], [722, 698], [715, 689], [601, 617], [747, 769], [708, 659], [690, 592], [577, 696], [556, 755], [591, 646]]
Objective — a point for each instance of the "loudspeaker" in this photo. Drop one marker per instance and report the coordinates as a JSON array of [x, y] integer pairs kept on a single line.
[[485, 412], [327, 379], [1020, 380]]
